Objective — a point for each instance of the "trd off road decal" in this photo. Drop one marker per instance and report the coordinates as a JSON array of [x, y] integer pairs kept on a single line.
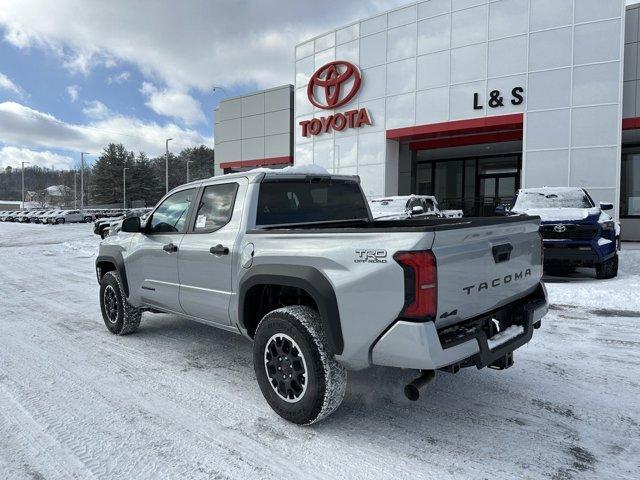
[[371, 256]]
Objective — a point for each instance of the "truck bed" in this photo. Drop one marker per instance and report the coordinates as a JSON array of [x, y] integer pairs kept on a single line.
[[434, 224]]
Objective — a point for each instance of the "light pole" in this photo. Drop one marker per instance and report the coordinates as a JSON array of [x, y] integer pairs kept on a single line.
[[188, 162], [75, 190], [124, 187], [22, 204], [166, 164], [82, 154]]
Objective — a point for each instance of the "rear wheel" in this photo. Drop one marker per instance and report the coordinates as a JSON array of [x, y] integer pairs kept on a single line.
[[87, 219], [119, 316], [300, 379], [608, 268], [59, 221]]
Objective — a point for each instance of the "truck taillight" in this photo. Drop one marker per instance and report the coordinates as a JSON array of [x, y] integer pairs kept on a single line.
[[420, 284]]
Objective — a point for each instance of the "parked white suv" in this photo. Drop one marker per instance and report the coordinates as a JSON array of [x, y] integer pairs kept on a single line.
[[71, 216]]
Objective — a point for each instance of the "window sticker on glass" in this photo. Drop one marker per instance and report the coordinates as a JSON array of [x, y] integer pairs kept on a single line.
[[201, 222]]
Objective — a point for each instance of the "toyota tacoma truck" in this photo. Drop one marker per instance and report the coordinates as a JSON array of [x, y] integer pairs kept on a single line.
[[575, 231], [293, 261]]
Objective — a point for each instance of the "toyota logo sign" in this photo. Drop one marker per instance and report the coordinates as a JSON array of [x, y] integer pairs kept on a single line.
[[560, 228], [338, 82], [331, 86]]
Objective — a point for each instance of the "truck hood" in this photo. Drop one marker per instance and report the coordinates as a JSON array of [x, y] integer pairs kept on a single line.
[[561, 214]]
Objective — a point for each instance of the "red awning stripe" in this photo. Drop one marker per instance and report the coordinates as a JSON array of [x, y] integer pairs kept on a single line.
[[458, 127], [631, 123], [465, 140]]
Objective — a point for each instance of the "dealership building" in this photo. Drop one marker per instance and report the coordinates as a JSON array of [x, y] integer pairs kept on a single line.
[[467, 100]]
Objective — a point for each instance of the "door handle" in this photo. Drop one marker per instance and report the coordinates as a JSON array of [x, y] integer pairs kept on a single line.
[[219, 250], [170, 248]]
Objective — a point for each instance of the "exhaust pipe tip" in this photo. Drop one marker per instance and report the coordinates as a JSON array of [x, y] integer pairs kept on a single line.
[[412, 392]]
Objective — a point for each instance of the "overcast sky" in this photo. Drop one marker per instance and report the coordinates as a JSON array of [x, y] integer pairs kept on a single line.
[[77, 74]]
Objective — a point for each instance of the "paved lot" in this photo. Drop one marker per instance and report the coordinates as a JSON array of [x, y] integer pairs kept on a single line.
[[179, 399]]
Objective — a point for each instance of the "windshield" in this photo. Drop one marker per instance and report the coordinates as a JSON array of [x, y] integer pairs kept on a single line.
[[552, 199]]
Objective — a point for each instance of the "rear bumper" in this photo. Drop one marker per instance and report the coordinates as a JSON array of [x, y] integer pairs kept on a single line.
[[420, 345]]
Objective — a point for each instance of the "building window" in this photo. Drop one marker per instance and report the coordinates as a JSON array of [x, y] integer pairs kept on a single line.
[[630, 183]]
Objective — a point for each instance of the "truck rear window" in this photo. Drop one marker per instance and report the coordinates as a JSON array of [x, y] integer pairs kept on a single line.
[[283, 202]]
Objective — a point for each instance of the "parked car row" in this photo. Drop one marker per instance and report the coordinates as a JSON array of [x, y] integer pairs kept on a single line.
[[47, 216], [59, 216]]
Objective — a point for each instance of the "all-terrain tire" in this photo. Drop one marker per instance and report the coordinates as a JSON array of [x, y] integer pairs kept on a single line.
[[324, 381], [608, 268], [120, 317]]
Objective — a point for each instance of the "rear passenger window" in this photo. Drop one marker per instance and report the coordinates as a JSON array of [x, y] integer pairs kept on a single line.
[[216, 207], [283, 201]]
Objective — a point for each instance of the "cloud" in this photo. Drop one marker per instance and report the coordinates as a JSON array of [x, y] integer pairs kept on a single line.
[[21, 125], [13, 156], [73, 91], [96, 110], [7, 85], [119, 78], [174, 104], [184, 45]]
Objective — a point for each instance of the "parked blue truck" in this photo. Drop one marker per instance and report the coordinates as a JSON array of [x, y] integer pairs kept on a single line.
[[576, 232]]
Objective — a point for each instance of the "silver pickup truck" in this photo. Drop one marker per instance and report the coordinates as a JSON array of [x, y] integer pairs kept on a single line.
[[295, 263]]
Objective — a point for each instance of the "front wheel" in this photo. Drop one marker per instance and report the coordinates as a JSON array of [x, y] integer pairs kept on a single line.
[[59, 221], [87, 219], [608, 268], [300, 379], [118, 314]]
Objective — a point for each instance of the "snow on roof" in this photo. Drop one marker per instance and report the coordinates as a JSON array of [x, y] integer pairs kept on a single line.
[[550, 190], [293, 170]]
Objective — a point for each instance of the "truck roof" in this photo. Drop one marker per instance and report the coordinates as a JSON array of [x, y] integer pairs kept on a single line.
[[295, 171]]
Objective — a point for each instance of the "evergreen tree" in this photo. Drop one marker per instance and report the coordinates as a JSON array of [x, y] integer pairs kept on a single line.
[[107, 174]]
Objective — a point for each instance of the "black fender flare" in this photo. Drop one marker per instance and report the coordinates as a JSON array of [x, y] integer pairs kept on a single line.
[[113, 255], [307, 278]]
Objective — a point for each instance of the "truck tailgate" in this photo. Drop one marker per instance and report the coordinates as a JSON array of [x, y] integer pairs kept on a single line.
[[485, 265]]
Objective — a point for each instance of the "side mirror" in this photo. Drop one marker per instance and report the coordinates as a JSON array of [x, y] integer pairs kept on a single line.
[[417, 210], [606, 206], [131, 225]]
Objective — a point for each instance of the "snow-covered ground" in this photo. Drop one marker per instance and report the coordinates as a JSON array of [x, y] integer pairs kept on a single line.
[[179, 399]]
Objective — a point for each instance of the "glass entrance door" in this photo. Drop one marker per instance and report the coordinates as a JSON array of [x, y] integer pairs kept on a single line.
[[495, 190]]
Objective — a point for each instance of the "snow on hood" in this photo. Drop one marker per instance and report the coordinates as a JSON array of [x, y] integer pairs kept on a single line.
[[560, 214]]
